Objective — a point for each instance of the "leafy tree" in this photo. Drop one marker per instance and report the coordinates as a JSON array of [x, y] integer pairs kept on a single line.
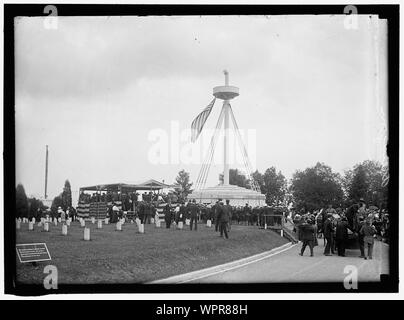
[[316, 187], [237, 178], [67, 195], [274, 186], [56, 203], [34, 205], [63, 200], [259, 178], [184, 186], [365, 181], [21, 200]]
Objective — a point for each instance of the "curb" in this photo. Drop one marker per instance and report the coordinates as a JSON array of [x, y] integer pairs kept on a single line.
[[203, 273]]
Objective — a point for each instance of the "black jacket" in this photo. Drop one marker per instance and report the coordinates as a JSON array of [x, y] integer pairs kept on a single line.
[[341, 232], [307, 232], [223, 214], [328, 228]]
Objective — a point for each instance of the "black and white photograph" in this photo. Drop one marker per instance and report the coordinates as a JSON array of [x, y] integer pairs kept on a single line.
[[220, 149]]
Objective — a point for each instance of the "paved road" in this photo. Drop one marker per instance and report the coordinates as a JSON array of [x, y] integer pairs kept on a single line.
[[288, 266]]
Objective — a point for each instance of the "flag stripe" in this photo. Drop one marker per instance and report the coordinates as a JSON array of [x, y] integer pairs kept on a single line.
[[199, 121]]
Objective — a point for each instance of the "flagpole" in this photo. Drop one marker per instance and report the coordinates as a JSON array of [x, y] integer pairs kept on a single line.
[[226, 143], [226, 135]]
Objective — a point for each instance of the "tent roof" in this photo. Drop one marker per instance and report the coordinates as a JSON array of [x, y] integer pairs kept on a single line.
[[147, 185]]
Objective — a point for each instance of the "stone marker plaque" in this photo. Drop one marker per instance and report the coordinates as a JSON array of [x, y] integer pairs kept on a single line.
[[32, 252]]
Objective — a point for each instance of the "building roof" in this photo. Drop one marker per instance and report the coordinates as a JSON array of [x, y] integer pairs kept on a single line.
[[146, 185]]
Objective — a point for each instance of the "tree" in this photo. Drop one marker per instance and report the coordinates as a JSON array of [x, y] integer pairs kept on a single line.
[[182, 181], [34, 205], [259, 178], [66, 196], [63, 200], [238, 179], [56, 203], [316, 187], [365, 181], [21, 200], [274, 186]]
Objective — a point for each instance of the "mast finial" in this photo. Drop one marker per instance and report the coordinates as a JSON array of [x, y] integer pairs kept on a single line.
[[226, 77]]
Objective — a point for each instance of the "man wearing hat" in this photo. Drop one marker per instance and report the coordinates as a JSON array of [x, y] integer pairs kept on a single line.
[[193, 212], [328, 235], [223, 217], [307, 236], [229, 209], [341, 235], [168, 214], [216, 214]]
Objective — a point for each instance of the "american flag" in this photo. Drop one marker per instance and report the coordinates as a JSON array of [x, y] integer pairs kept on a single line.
[[200, 120]]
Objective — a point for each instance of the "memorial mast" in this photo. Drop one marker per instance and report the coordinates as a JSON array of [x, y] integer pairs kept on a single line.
[[236, 194]]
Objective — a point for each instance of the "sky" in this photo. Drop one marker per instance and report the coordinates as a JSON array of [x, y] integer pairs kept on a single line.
[[114, 97]]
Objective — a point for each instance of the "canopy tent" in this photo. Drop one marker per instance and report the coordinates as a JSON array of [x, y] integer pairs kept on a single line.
[[238, 196], [128, 187]]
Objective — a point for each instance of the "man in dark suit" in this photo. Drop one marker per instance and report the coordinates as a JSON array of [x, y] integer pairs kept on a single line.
[[307, 236], [193, 212], [216, 214], [223, 217], [230, 212], [247, 213], [328, 235], [341, 236], [361, 223], [168, 214]]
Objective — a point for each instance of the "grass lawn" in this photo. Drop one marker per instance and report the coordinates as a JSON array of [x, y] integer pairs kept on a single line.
[[130, 257]]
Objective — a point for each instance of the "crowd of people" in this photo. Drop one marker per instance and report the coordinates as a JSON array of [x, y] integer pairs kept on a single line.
[[127, 199], [338, 227], [216, 213], [357, 224]]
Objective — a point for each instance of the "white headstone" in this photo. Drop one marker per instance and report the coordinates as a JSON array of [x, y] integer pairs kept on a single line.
[[180, 225], [55, 221], [141, 228], [82, 223], [106, 220], [92, 220], [18, 224], [33, 220], [59, 220], [31, 226], [187, 222], [46, 226], [209, 223], [99, 225], [265, 226], [119, 226], [87, 234], [64, 230]]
